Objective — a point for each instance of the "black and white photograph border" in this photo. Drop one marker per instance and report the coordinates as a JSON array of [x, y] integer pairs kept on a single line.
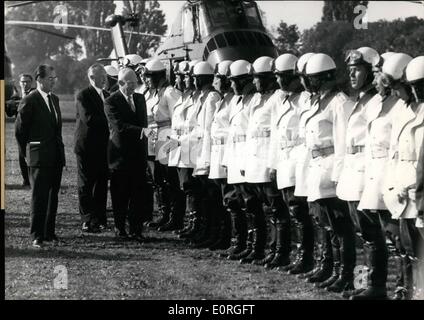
[[84, 261]]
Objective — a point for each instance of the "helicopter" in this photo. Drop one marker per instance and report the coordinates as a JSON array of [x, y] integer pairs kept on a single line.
[[214, 31]]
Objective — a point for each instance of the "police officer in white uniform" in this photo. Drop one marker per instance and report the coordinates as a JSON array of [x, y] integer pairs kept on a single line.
[[179, 151], [259, 188], [241, 83], [160, 100], [325, 138], [288, 104], [351, 181], [378, 220], [200, 153], [219, 136], [399, 191]]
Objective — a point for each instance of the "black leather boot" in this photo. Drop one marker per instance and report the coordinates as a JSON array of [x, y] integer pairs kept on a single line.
[[282, 249], [377, 275], [272, 244], [258, 247], [195, 226], [164, 218], [223, 240], [326, 265], [239, 232], [247, 250]]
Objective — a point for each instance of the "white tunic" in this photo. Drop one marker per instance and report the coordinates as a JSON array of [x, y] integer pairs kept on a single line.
[[377, 145], [351, 180], [234, 154], [326, 128], [258, 139], [219, 135], [406, 142], [285, 139]]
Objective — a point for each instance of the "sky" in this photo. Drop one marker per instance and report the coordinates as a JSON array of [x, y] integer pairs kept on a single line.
[[307, 13]]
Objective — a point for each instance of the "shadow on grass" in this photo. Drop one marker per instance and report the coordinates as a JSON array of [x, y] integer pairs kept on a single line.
[[52, 252]]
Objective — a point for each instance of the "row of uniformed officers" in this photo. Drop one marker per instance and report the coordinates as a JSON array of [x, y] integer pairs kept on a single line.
[[259, 153]]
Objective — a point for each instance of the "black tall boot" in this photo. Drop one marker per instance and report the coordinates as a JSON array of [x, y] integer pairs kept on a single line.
[[239, 232], [348, 261], [400, 291], [337, 261], [283, 245], [272, 245], [259, 237], [326, 258], [177, 211], [224, 233], [195, 226], [248, 249], [306, 261], [377, 275]]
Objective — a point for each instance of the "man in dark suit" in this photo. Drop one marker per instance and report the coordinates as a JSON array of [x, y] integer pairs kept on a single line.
[[25, 82], [91, 140], [127, 154], [39, 134]]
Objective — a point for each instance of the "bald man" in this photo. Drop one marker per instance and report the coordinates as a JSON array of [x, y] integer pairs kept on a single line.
[[127, 155], [91, 140]]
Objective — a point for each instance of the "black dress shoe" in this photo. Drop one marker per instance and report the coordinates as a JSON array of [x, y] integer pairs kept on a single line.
[[37, 243]]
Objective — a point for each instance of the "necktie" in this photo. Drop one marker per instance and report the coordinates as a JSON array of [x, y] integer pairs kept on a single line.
[[131, 103], [51, 107]]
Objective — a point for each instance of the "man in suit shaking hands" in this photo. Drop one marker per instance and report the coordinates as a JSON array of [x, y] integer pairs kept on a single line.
[[91, 141], [38, 131], [127, 154]]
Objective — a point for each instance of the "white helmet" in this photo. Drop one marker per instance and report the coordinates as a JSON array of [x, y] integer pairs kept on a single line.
[[239, 68], [179, 67], [396, 65], [301, 62], [363, 55], [262, 65], [222, 68], [111, 71], [319, 62], [132, 60], [387, 55], [202, 68], [188, 69], [154, 66], [285, 62], [415, 69], [144, 61]]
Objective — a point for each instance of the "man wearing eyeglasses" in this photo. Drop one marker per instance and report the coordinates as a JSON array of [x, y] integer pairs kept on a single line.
[[39, 134]]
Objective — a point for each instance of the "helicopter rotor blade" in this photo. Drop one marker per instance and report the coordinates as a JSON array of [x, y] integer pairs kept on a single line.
[[20, 4], [65, 25], [48, 32]]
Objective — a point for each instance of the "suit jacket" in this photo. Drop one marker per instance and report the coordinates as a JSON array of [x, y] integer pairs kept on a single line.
[[92, 129], [126, 151], [39, 136]]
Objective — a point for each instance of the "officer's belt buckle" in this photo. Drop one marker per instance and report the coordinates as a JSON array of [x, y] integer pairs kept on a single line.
[[378, 153], [322, 152], [355, 149]]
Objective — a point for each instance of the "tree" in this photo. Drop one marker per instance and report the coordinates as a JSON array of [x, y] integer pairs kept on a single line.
[[287, 40], [152, 20], [341, 10]]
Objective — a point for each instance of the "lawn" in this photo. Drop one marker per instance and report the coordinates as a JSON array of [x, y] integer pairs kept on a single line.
[[98, 267]]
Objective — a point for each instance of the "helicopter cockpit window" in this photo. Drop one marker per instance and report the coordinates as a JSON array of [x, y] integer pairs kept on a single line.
[[252, 13], [218, 13], [231, 38], [220, 40]]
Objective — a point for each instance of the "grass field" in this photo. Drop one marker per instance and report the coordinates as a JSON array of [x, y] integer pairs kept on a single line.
[[98, 267]]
